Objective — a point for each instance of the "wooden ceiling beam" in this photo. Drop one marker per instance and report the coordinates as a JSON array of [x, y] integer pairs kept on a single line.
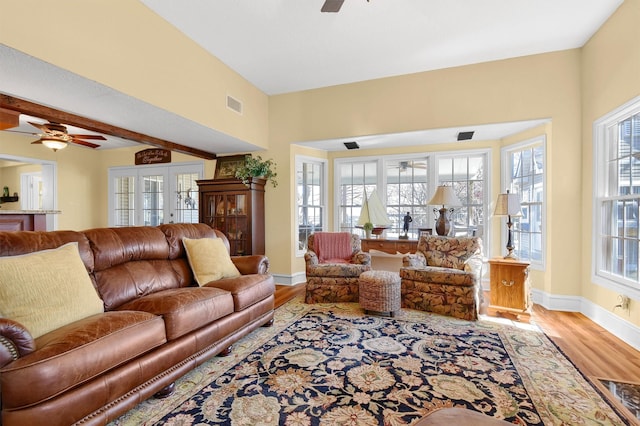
[[11, 104], [9, 119]]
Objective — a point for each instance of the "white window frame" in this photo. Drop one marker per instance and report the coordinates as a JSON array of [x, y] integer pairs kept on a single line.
[[601, 136], [507, 183], [300, 160]]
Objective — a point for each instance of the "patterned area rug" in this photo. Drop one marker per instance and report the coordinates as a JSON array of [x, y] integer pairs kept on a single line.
[[329, 364]]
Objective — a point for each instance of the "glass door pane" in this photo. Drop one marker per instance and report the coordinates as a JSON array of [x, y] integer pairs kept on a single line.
[[153, 199], [186, 201]]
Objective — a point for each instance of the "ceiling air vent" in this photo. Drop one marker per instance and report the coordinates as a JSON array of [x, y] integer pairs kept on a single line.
[[234, 104], [351, 145], [465, 136]]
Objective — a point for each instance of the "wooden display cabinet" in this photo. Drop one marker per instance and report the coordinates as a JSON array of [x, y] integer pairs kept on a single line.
[[510, 289], [235, 209]]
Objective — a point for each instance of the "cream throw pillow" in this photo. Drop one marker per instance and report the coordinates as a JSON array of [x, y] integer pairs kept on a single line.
[[47, 289], [209, 259]]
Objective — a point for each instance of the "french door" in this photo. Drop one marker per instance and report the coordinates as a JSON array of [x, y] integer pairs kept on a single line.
[[153, 195]]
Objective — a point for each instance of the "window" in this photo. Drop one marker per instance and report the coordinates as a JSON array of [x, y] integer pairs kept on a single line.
[[465, 173], [524, 175], [407, 191], [355, 180], [151, 195], [617, 198], [406, 184], [311, 198]]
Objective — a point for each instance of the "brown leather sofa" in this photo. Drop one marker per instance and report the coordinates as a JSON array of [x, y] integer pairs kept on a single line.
[[158, 324]]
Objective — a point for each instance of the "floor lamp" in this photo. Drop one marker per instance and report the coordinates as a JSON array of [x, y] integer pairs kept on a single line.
[[508, 205], [444, 196]]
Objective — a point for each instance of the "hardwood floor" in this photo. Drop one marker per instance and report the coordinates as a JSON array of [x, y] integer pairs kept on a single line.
[[593, 350]]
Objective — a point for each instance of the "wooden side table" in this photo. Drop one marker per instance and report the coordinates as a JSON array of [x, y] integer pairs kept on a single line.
[[510, 292]]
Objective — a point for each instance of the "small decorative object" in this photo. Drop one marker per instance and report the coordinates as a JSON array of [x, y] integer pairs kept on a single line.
[[508, 205], [258, 168], [373, 214], [368, 226], [5, 191], [444, 196], [226, 167], [407, 220]]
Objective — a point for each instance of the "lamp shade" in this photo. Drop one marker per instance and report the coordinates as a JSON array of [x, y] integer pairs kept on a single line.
[[508, 205], [54, 144], [444, 196]]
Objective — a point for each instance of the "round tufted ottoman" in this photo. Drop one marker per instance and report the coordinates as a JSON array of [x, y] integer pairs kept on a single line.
[[379, 291]]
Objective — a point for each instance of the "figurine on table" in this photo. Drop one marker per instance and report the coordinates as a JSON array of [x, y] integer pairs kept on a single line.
[[407, 220]]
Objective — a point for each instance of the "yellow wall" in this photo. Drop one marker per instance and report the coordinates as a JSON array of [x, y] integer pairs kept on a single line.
[[610, 77], [125, 46]]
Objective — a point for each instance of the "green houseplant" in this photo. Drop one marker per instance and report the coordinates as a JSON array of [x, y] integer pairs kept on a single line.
[[257, 167]]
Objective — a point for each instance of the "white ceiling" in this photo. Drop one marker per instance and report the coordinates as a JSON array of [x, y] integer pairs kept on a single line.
[[288, 45]]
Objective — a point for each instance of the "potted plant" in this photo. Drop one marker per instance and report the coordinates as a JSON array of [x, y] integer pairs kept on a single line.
[[257, 167], [368, 227]]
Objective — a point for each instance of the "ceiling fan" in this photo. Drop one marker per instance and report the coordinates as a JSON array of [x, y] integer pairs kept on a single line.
[[55, 136], [332, 6]]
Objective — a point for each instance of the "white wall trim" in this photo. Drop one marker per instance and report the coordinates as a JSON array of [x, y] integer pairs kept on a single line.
[[283, 279], [614, 324]]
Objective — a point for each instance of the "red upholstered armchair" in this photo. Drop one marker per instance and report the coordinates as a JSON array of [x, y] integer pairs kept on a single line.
[[334, 262], [444, 276]]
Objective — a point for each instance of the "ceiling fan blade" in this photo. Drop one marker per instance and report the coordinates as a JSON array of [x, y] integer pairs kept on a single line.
[[332, 6], [42, 127], [84, 143], [96, 137], [38, 141], [19, 131]]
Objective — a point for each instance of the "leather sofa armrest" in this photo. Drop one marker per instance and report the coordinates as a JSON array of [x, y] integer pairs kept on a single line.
[[15, 341], [361, 258], [253, 264], [415, 260]]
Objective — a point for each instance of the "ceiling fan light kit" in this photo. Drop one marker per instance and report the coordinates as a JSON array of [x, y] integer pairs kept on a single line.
[[53, 143]]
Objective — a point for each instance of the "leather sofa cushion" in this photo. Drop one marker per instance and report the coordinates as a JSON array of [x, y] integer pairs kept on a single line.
[[130, 262], [246, 289], [184, 309], [78, 352]]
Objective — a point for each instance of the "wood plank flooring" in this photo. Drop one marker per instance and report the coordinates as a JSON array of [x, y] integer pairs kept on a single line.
[[593, 350]]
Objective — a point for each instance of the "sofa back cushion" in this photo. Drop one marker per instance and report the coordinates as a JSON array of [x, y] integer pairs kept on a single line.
[[449, 252], [47, 289], [130, 262]]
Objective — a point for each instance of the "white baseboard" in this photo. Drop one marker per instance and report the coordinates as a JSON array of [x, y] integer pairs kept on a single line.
[[294, 279], [614, 324]]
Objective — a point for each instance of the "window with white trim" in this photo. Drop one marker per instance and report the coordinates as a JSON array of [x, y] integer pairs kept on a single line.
[[523, 174], [311, 199], [406, 184], [617, 198]]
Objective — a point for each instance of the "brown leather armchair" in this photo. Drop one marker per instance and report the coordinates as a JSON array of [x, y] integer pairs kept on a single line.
[[334, 280]]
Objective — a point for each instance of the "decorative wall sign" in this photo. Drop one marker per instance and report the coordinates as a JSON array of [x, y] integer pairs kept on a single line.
[[153, 156]]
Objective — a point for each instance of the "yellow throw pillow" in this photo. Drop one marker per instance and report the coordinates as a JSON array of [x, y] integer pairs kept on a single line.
[[47, 289], [209, 259]]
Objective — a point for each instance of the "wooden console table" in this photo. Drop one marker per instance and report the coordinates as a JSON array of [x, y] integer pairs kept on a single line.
[[390, 246]]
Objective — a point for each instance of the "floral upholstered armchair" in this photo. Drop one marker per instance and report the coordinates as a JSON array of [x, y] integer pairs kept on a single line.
[[334, 262], [444, 276]]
